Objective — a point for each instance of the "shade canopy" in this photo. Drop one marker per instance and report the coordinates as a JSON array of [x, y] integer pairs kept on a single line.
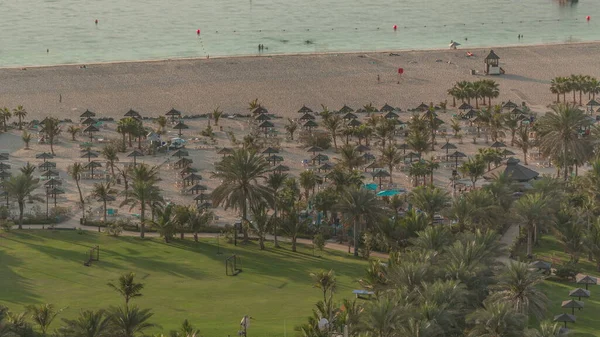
[[274, 158], [362, 148], [192, 176], [46, 165], [281, 168], [345, 109], [449, 146], [188, 170], [579, 292], [89, 121], [180, 126], [380, 174], [572, 304], [87, 114], [135, 153], [89, 154], [197, 188], [497, 145], [403, 146], [263, 117], [457, 154], [173, 113], [304, 110], [311, 124], [266, 124], [513, 170], [5, 166], [391, 115], [52, 182], [133, 114], [507, 152], [93, 164], [225, 151], [50, 173], [320, 157], [465, 106], [270, 150], [354, 123], [349, 116], [307, 117], [325, 167], [540, 265], [314, 149], [586, 279], [565, 318], [44, 155], [259, 110], [91, 128], [180, 153], [5, 174], [509, 105], [387, 108], [422, 107]]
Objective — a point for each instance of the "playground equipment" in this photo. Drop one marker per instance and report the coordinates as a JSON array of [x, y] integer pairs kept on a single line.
[[233, 265], [94, 255]]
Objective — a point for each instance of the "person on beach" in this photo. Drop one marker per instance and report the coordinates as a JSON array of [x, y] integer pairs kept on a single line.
[[378, 79], [59, 98]]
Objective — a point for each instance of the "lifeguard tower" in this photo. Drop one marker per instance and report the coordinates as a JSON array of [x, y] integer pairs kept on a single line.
[[492, 64]]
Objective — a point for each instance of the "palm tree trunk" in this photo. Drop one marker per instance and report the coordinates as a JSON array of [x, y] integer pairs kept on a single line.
[[525, 156], [529, 241], [333, 135], [81, 199], [104, 214], [355, 238], [244, 221], [143, 219], [391, 175], [580, 92], [453, 101], [21, 207], [557, 97], [20, 124], [52, 146]]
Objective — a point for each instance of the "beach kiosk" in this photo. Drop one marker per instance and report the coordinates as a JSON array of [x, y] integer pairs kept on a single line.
[[492, 64]]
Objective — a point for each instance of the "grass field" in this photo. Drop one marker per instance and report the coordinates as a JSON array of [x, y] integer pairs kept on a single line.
[[182, 279], [588, 319]]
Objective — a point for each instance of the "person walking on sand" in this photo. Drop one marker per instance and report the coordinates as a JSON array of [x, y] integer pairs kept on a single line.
[[59, 98], [378, 78]]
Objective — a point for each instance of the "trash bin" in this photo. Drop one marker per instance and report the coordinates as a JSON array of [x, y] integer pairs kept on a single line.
[[472, 71]]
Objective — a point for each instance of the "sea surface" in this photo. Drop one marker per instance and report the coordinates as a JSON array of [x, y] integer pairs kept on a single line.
[[49, 32]]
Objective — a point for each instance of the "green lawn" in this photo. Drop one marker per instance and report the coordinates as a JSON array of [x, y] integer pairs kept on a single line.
[[588, 319], [182, 279]]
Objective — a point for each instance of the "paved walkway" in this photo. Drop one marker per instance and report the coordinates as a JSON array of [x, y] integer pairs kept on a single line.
[[507, 239]]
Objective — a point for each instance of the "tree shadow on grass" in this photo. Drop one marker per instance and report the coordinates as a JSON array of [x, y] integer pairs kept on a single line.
[[13, 287]]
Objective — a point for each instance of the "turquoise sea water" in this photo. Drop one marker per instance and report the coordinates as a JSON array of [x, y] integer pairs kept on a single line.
[[157, 29]]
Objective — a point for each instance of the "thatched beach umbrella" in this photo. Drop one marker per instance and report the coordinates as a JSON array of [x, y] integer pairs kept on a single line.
[[349, 116], [87, 114], [457, 155], [509, 105], [259, 110], [5, 175], [572, 304], [579, 293], [373, 166], [513, 170], [566, 318], [180, 153], [53, 192], [89, 121], [465, 107], [507, 152], [453, 44], [380, 174], [470, 114], [52, 182], [403, 147], [201, 197], [516, 111], [173, 114], [270, 151], [191, 178], [48, 165], [586, 279], [345, 109], [325, 167], [265, 126], [50, 173], [305, 110], [387, 108], [310, 125], [274, 159], [368, 156], [197, 189], [4, 166], [5, 195], [182, 162], [92, 165], [591, 105], [187, 170], [410, 155], [307, 117], [391, 115], [90, 130], [448, 146], [362, 148], [180, 126], [44, 156], [89, 154], [422, 107], [354, 123], [497, 145], [281, 168], [314, 150], [225, 151], [135, 154], [133, 114], [262, 118], [541, 265], [319, 158]]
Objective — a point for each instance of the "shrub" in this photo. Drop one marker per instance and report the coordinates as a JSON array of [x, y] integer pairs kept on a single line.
[[114, 229], [7, 225], [319, 241], [567, 271], [320, 139]]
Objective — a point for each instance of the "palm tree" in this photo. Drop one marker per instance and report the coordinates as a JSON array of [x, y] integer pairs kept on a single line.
[[518, 287], [474, 168], [360, 207], [88, 324], [430, 166], [333, 124], [240, 187], [455, 125], [261, 223], [103, 191], [110, 153], [429, 199], [391, 156], [127, 128], [5, 115], [418, 141], [73, 130], [532, 210], [453, 92], [164, 222], [26, 137], [275, 182], [43, 315], [547, 329], [308, 181], [20, 188], [292, 225], [75, 172], [512, 122], [129, 321], [383, 318], [291, 127], [162, 124], [142, 194], [350, 157], [27, 169], [592, 242], [21, 113], [216, 115], [127, 287], [496, 319], [555, 88], [186, 330], [51, 129], [326, 281], [524, 142], [384, 130], [569, 229], [559, 134]]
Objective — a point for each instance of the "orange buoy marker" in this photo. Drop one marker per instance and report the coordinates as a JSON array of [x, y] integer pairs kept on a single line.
[[588, 18], [395, 27], [197, 31]]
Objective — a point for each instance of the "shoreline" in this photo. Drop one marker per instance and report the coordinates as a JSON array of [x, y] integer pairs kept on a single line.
[[278, 55]]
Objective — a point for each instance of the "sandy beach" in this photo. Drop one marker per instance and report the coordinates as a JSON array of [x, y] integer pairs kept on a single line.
[[282, 84]]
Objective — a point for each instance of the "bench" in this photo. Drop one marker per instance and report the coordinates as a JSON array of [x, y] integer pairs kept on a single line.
[[363, 294]]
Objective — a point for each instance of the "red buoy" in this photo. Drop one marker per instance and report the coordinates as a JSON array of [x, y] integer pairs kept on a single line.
[[198, 32], [588, 18], [395, 27]]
